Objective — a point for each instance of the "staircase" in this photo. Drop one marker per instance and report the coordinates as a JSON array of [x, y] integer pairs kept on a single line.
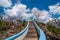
[[32, 33]]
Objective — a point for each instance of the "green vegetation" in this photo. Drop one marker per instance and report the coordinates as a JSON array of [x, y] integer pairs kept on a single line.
[[9, 28], [24, 23], [50, 29], [53, 29], [20, 28], [3, 25]]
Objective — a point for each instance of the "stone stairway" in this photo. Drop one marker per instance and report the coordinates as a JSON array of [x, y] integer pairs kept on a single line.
[[32, 33]]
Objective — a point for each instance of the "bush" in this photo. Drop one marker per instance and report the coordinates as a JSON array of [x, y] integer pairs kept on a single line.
[[54, 30], [3, 25]]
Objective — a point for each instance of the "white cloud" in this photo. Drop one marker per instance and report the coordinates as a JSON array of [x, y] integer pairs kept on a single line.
[[55, 9], [41, 15], [44, 16], [5, 3], [27, 16], [17, 10]]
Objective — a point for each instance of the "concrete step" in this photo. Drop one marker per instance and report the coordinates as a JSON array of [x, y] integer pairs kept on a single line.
[[32, 34], [31, 27], [31, 30], [30, 39]]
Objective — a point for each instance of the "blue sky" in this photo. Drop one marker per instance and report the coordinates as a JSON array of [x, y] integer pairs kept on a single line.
[[48, 7], [40, 4]]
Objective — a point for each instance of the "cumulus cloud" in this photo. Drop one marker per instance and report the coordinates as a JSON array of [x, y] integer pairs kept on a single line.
[[20, 9], [44, 16], [28, 16], [5, 3], [41, 15], [55, 9], [17, 10]]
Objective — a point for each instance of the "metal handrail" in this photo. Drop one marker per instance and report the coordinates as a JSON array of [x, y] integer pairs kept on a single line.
[[19, 34], [41, 33]]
